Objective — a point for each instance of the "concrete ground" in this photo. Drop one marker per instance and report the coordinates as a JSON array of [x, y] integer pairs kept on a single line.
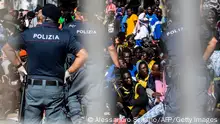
[[11, 119]]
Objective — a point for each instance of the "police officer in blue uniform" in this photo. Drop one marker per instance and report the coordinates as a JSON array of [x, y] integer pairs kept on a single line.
[[173, 40], [47, 48], [94, 37], [171, 45]]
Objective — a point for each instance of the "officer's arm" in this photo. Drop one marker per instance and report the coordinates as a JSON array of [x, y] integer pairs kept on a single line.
[[210, 48], [114, 55], [80, 54], [79, 61]]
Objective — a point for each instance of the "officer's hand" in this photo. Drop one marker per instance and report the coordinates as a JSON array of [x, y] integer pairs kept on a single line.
[[66, 77]]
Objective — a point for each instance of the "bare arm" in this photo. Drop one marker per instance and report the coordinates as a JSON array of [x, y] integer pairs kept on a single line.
[[114, 55], [81, 57], [11, 54], [210, 48]]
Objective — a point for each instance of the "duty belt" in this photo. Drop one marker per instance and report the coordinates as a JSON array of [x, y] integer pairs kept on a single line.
[[48, 83]]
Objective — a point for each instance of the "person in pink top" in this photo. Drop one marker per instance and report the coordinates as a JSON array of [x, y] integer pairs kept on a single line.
[[161, 87], [110, 7], [160, 83]]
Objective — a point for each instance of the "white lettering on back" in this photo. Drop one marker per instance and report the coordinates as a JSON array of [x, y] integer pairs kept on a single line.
[[46, 37], [174, 31], [86, 32]]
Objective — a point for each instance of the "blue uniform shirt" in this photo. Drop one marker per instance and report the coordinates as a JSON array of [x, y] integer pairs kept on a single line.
[[172, 39], [93, 37], [47, 48]]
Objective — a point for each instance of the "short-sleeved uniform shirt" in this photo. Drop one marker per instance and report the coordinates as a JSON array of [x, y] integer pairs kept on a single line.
[[47, 48], [93, 37], [131, 24]]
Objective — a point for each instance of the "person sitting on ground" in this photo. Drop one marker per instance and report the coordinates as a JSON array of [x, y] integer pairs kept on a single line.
[[137, 55], [127, 56], [133, 95], [119, 40], [148, 55], [159, 85], [143, 74], [130, 42], [110, 75]]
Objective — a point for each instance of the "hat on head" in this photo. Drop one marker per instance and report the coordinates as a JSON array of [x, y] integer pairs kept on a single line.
[[51, 11]]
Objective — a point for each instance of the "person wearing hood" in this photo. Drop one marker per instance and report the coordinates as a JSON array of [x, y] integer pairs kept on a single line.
[[142, 29], [131, 21], [144, 76]]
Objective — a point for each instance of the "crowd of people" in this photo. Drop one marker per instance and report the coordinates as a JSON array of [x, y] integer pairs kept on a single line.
[[136, 69]]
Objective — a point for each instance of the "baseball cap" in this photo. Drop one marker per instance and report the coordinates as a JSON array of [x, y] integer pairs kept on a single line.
[[51, 11]]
